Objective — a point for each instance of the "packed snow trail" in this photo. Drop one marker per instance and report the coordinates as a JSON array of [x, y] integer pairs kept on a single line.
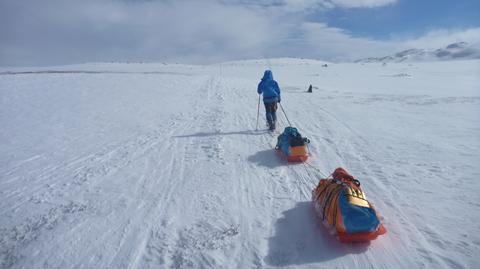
[[160, 166]]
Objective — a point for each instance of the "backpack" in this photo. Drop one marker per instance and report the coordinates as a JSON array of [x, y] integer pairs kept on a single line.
[[290, 138]]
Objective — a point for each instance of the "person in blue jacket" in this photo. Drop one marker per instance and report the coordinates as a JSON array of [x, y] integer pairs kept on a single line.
[[271, 95]]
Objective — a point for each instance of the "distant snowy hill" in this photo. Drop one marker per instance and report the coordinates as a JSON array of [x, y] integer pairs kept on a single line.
[[455, 51], [275, 62]]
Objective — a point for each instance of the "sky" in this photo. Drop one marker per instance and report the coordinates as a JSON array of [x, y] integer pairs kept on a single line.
[[53, 32]]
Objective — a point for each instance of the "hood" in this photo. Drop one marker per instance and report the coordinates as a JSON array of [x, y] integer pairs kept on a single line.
[[267, 75]]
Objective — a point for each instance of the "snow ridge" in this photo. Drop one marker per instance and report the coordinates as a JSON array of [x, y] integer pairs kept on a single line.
[[454, 51]]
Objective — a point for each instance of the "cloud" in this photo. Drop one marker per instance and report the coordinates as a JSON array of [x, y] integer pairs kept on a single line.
[[443, 37], [66, 31], [362, 3], [292, 6], [318, 40], [70, 31]]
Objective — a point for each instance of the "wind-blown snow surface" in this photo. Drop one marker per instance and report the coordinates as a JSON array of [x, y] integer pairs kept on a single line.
[[160, 166]]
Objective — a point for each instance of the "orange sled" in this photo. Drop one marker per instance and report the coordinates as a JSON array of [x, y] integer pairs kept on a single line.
[[343, 207], [297, 154], [292, 146]]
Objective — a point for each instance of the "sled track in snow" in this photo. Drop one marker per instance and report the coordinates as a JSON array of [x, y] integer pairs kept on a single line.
[[178, 248], [353, 150], [76, 175], [194, 186], [84, 174]]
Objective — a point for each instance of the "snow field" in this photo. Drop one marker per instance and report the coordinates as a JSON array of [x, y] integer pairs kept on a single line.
[[160, 166]]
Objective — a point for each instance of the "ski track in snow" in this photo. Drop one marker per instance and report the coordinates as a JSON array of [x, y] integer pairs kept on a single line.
[[194, 185]]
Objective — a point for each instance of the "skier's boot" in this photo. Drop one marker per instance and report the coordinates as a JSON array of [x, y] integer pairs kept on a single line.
[[272, 126]]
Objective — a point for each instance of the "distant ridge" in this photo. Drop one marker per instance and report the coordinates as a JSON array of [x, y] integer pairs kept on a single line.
[[454, 51]]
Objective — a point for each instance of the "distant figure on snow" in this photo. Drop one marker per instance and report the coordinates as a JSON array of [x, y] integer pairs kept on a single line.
[[310, 88], [271, 95]]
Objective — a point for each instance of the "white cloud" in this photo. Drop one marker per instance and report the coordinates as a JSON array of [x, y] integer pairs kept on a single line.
[[323, 42], [362, 3], [320, 41], [310, 5], [67, 31], [72, 31], [443, 37]]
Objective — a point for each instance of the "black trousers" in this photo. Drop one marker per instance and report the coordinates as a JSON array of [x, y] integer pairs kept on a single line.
[[270, 112]]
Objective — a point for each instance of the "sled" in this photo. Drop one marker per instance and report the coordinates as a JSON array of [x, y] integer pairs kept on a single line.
[[343, 208], [292, 146], [297, 154]]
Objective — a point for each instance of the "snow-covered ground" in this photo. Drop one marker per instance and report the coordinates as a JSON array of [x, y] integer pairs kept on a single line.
[[160, 166]]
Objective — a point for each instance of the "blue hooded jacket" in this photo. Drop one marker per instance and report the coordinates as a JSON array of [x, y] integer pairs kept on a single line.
[[269, 88]]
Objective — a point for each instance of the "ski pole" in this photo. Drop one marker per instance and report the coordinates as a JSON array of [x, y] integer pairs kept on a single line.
[[285, 114], [258, 111]]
